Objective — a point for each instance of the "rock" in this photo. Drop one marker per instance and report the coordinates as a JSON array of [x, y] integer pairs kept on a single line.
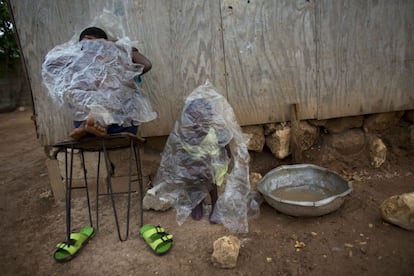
[[279, 141], [308, 135], [257, 140], [152, 202], [270, 128], [339, 125], [254, 179], [399, 210], [378, 122], [226, 252], [348, 142], [377, 151]]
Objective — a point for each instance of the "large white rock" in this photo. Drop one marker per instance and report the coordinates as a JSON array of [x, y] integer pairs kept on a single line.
[[152, 202], [226, 252], [399, 210], [279, 141], [257, 140], [377, 151]]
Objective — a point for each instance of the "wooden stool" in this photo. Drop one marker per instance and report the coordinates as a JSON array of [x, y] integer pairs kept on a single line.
[[102, 145]]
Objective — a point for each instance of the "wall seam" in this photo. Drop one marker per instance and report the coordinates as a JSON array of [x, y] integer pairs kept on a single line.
[[317, 55], [224, 51]]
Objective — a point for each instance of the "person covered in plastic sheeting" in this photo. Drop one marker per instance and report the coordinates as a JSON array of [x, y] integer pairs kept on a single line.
[[96, 79], [196, 159]]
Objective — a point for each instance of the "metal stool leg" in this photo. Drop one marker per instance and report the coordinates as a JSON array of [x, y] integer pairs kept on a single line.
[[139, 178], [110, 192], [69, 188], [129, 186], [97, 190], [85, 180]]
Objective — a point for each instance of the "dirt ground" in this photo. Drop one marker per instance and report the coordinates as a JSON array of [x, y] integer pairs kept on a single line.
[[350, 241]]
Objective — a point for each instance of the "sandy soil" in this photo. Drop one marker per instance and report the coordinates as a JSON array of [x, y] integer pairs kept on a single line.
[[350, 241]]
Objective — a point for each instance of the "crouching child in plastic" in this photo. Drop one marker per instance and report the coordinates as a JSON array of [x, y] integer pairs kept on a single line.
[[206, 141]]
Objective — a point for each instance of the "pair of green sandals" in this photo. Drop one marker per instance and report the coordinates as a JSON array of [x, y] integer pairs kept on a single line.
[[155, 236]]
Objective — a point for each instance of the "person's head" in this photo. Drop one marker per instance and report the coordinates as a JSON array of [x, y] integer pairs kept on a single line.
[[92, 33], [196, 119], [199, 110]]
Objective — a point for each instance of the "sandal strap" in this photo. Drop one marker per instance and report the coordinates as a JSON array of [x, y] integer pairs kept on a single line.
[[156, 230], [163, 239], [70, 249], [77, 238]]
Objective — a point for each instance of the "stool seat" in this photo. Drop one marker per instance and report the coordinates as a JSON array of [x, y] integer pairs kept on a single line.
[[102, 145], [112, 141]]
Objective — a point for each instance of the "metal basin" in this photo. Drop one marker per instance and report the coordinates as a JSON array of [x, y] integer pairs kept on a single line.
[[304, 190]]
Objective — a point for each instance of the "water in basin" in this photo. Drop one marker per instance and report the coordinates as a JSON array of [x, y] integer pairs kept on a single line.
[[301, 193]]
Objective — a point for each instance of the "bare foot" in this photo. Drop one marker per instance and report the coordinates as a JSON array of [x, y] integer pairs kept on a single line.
[[94, 127], [211, 219], [78, 132], [214, 196], [197, 212]]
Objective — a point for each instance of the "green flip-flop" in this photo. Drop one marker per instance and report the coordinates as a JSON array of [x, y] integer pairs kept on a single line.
[[156, 238], [78, 240]]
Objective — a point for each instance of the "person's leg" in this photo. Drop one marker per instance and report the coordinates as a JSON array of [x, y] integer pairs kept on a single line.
[[114, 128], [93, 127], [214, 196], [84, 128], [79, 130], [197, 212]]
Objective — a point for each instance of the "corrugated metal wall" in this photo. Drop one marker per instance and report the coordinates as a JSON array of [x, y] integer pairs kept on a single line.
[[332, 58]]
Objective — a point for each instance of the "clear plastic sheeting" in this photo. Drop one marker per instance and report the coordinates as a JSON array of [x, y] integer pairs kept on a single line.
[[97, 78], [195, 158]]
